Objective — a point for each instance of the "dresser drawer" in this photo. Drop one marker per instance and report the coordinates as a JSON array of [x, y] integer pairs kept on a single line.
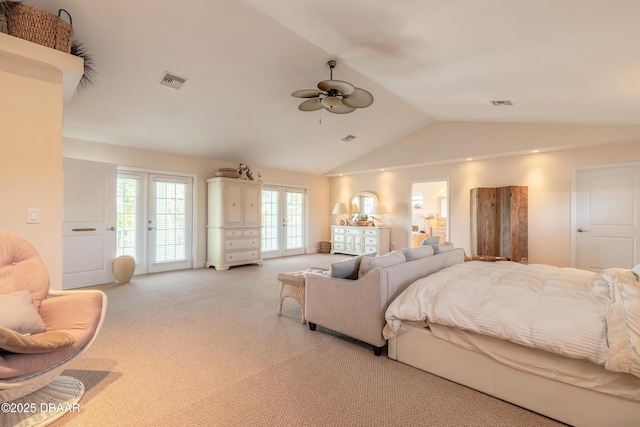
[[234, 245], [355, 231], [371, 241], [338, 230], [233, 232], [234, 257], [254, 232], [371, 232], [338, 246], [338, 238], [370, 249]]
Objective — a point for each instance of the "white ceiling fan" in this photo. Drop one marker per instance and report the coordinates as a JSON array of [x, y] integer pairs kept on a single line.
[[335, 96]]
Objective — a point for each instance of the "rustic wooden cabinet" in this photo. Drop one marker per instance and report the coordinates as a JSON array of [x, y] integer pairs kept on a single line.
[[499, 222], [356, 240], [234, 227]]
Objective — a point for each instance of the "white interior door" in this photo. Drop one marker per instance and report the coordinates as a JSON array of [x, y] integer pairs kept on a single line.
[[169, 223], [283, 221], [607, 213], [89, 219]]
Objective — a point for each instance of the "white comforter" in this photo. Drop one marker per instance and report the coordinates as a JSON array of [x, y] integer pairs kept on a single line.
[[575, 313]]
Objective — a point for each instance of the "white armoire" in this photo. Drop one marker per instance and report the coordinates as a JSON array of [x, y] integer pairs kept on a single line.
[[234, 228]]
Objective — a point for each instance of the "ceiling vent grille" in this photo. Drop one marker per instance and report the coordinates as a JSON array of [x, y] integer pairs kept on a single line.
[[349, 138], [172, 81], [502, 103]]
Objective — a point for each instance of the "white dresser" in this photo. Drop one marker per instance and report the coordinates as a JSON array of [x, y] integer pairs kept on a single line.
[[234, 228], [355, 240]]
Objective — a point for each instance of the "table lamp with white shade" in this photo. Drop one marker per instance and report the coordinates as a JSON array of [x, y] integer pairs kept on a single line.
[[340, 209], [377, 211]]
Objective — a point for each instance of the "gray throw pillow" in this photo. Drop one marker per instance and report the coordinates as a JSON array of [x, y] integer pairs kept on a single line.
[[430, 241], [18, 313], [347, 268], [413, 254]]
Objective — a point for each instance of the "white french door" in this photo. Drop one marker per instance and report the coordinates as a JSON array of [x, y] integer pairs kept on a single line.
[[154, 214], [283, 221], [606, 210]]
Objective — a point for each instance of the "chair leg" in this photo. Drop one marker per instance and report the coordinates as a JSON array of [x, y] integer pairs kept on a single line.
[[312, 326], [377, 350]]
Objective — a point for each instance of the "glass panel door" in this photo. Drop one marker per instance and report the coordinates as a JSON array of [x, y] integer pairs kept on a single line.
[[283, 221], [169, 223]]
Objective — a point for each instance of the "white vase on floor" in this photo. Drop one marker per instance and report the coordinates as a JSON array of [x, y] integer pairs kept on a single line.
[[123, 268]]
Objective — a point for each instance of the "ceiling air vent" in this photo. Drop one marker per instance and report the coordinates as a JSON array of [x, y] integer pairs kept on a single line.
[[172, 81], [349, 138], [502, 103]]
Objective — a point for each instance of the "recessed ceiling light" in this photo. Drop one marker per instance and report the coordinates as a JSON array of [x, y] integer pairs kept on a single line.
[[535, 151], [349, 138], [469, 159], [502, 103]]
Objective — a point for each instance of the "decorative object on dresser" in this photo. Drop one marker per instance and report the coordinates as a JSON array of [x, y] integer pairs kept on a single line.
[[340, 209], [234, 228], [499, 222], [227, 173], [356, 240]]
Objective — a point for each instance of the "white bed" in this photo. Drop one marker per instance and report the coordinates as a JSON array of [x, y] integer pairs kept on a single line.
[[577, 390]]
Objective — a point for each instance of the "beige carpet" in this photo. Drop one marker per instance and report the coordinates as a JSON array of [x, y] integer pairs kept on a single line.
[[206, 348]]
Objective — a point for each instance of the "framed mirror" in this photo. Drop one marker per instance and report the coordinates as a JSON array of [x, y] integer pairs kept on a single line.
[[362, 203]]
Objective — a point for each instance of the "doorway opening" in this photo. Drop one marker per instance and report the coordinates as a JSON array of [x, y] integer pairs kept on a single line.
[[429, 207]]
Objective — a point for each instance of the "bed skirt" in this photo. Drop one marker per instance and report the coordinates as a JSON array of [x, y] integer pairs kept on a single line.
[[564, 402]]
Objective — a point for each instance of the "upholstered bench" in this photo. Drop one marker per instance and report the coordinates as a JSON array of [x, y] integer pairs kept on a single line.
[[293, 285]]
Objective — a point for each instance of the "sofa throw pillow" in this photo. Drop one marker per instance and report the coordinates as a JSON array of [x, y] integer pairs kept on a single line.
[[18, 313], [445, 247], [413, 254], [386, 260], [30, 344], [430, 241], [347, 268]]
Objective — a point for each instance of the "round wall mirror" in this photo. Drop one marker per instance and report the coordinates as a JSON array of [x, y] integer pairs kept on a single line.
[[362, 203]]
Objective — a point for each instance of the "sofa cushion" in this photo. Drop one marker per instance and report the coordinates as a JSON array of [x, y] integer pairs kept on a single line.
[[413, 254], [386, 260], [18, 313], [31, 344], [347, 268], [445, 247], [430, 241]]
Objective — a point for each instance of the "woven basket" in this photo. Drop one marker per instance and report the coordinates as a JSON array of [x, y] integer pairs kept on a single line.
[[364, 223], [325, 247], [41, 27]]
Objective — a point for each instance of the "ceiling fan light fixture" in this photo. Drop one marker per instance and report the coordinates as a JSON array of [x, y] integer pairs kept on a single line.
[[335, 96], [331, 101]]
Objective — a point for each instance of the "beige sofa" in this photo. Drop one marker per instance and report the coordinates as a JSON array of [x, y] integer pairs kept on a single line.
[[356, 308]]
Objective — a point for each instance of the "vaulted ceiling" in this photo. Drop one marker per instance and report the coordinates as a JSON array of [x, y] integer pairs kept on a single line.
[[571, 61]]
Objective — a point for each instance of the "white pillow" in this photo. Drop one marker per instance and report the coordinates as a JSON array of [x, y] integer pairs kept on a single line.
[[18, 313], [445, 247], [424, 251]]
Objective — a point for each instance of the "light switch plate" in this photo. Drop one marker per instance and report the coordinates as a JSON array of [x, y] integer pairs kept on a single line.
[[33, 216]]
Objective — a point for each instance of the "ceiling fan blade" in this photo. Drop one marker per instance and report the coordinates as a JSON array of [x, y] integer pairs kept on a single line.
[[306, 93], [345, 88], [311, 105], [360, 98], [340, 109]]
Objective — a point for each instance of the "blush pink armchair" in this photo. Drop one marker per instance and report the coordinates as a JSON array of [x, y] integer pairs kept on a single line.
[[78, 313]]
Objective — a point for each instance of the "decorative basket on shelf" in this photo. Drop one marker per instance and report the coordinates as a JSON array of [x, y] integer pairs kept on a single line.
[[41, 27], [364, 223]]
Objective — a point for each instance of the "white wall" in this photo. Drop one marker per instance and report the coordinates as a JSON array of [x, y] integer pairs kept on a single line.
[[548, 176], [317, 186], [31, 109]]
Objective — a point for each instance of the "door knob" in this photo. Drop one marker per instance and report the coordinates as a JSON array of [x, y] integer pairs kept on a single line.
[[580, 230], [111, 228], [151, 228]]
